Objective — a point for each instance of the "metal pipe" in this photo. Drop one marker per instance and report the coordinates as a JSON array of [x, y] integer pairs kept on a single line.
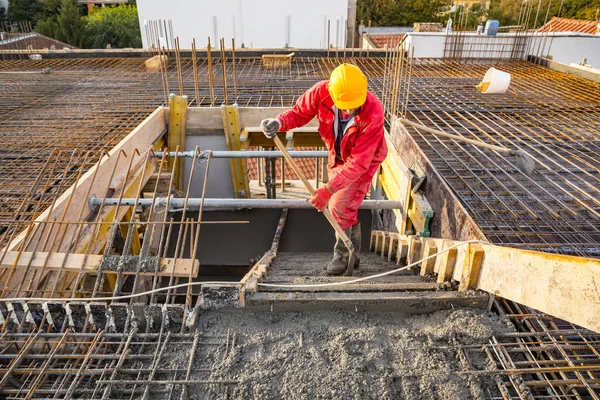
[[243, 154], [228, 204]]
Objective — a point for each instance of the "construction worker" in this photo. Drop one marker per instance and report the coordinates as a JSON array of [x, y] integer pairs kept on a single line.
[[351, 126]]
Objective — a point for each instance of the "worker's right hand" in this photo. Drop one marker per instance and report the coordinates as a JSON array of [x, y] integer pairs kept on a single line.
[[321, 198], [270, 127]]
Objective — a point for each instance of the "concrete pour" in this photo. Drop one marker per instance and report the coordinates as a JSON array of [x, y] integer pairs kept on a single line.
[[356, 355]]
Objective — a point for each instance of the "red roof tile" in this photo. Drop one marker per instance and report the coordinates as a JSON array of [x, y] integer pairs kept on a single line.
[[379, 41], [571, 25], [35, 41], [307, 165]]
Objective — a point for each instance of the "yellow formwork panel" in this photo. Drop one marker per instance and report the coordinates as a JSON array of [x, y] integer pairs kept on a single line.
[[233, 131]]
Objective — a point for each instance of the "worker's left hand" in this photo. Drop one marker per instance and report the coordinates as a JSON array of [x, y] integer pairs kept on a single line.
[[270, 127], [321, 197]]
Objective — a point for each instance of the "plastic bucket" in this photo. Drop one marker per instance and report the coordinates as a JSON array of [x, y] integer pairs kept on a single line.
[[494, 81]]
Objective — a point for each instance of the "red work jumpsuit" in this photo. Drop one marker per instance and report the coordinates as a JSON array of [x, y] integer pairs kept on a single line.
[[363, 147]]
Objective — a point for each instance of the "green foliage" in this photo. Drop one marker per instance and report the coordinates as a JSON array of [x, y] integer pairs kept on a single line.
[[63, 22], [24, 10], [399, 12], [476, 15], [509, 11], [70, 25], [118, 26], [48, 27]]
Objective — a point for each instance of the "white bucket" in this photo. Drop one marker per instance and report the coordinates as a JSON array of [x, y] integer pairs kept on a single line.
[[494, 81]]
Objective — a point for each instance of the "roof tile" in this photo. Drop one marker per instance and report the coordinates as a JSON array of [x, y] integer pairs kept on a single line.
[[557, 24]]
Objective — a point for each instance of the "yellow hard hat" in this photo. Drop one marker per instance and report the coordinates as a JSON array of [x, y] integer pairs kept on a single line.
[[348, 87]]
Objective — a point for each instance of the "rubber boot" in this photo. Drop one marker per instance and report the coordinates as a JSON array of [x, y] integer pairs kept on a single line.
[[356, 239], [339, 263]]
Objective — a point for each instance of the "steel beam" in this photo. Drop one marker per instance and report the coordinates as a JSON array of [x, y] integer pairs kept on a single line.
[[229, 204], [242, 154]]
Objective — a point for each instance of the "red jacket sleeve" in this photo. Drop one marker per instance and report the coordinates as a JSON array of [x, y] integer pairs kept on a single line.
[[304, 111], [361, 155]]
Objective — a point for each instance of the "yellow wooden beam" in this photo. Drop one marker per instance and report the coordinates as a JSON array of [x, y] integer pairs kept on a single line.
[[136, 245], [88, 264], [471, 267], [109, 215], [233, 134], [178, 106], [154, 64], [420, 213], [396, 181], [447, 261], [564, 286], [429, 250]]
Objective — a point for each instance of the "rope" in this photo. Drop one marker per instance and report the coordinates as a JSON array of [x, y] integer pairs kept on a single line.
[[183, 285]]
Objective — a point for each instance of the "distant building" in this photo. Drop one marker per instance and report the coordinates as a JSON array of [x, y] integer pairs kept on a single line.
[[256, 23], [382, 36], [30, 41]]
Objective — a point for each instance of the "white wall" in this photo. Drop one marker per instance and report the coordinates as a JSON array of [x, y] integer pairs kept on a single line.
[[568, 49], [255, 23], [565, 48]]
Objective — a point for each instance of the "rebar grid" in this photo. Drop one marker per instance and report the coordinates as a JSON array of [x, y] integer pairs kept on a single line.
[[85, 104], [112, 366], [145, 233], [552, 116], [546, 357], [542, 358]]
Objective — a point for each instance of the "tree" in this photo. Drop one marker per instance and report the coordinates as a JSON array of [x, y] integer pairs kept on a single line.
[[63, 22], [24, 11], [399, 12], [70, 25], [118, 26], [512, 12]]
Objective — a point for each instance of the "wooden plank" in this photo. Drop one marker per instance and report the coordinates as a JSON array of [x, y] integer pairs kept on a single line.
[[447, 262], [427, 265], [99, 237], [414, 250], [471, 267], [402, 251], [153, 64], [142, 138], [74, 262], [393, 249], [163, 184], [566, 287]]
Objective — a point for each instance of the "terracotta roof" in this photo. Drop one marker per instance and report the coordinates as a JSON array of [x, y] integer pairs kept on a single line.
[[379, 41], [22, 41], [307, 165], [571, 25]]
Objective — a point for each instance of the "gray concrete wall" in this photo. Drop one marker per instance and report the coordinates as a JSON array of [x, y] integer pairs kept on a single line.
[[219, 174]]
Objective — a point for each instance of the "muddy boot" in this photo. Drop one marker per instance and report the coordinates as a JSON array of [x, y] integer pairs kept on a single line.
[[355, 237], [339, 263]]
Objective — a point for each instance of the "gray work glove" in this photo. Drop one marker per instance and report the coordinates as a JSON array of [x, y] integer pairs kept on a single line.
[[270, 127]]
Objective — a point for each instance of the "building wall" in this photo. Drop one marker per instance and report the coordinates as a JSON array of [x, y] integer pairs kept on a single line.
[[565, 48], [572, 49], [253, 23]]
